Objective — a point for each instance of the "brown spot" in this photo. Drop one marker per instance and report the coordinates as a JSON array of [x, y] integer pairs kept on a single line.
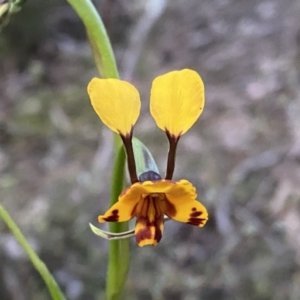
[[158, 233], [196, 221], [170, 208], [114, 217], [133, 212], [143, 234], [195, 214], [153, 222]]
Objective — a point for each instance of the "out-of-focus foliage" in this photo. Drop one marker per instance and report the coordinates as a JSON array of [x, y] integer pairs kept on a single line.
[[7, 9], [243, 154]]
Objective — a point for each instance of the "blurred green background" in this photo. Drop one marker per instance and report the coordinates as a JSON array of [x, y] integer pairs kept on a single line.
[[243, 155]]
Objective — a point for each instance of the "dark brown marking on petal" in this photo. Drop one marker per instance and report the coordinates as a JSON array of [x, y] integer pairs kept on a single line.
[[159, 219], [114, 217], [142, 213], [158, 233], [170, 208], [196, 221], [143, 234], [143, 210], [194, 217], [195, 214], [133, 213]]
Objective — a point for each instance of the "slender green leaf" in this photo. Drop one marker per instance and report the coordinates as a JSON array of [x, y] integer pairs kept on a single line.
[[53, 288]]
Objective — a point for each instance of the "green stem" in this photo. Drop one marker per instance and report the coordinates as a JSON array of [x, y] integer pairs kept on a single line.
[[100, 44], [118, 261], [53, 288]]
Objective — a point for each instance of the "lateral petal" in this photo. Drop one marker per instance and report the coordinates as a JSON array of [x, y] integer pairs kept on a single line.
[[186, 210], [119, 212], [123, 210]]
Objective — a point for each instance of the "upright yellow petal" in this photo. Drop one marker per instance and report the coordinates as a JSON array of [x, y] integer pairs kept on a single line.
[[116, 102], [177, 100]]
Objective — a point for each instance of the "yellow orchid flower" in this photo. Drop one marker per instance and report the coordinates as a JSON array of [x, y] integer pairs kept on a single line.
[[176, 102]]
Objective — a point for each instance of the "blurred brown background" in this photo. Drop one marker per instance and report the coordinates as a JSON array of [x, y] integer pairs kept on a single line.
[[243, 155]]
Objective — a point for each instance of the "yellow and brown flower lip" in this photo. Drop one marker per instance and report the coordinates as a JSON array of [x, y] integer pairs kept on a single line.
[[149, 201]]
